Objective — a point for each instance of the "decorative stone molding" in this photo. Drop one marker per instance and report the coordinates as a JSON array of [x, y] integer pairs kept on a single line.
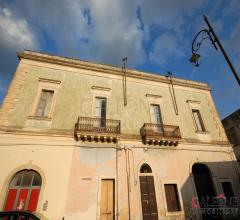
[[153, 96], [76, 63], [101, 88]]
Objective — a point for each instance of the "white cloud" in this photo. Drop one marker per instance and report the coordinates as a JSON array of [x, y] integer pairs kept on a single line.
[[15, 35], [15, 32], [112, 33], [116, 31]]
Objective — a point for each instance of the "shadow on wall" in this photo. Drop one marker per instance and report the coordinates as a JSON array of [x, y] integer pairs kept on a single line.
[[212, 191]]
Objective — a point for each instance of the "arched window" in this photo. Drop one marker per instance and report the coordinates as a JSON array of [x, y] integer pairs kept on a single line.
[[23, 191], [145, 168]]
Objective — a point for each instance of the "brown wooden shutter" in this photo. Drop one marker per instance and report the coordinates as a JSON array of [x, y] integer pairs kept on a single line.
[[148, 198], [172, 198]]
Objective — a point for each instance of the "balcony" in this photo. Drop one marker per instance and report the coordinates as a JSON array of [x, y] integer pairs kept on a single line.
[[97, 130], [160, 134]]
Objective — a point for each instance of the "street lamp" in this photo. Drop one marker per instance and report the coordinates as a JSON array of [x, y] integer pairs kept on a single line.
[[209, 34]]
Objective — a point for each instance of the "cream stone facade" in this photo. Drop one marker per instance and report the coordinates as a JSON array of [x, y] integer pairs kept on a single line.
[[85, 167]]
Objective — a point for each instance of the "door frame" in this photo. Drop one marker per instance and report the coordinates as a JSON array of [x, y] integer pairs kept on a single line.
[[99, 190], [139, 189]]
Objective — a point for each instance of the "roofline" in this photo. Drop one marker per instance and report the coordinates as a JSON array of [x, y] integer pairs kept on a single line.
[[231, 114], [77, 63]]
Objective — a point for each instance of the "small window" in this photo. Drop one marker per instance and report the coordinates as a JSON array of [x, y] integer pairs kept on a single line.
[[157, 117], [228, 192], [45, 103], [145, 168], [198, 120], [172, 198]]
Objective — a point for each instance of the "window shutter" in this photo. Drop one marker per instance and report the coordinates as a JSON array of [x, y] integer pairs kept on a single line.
[[172, 197], [45, 103], [49, 96]]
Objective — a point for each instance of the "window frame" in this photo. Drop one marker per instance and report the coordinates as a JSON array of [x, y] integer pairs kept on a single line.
[[152, 105], [195, 104], [232, 185], [176, 192], [30, 187], [48, 85], [102, 92], [45, 110], [200, 120], [102, 120], [174, 213], [154, 99]]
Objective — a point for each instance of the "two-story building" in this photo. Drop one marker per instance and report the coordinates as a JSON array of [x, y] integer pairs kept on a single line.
[[81, 140]]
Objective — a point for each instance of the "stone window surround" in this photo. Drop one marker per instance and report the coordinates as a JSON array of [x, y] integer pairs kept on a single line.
[[230, 180], [45, 84], [154, 100], [181, 211], [101, 92], [197, 105]]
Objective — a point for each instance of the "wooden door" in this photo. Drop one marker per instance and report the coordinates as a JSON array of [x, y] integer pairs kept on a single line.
[[148, 197], [107, 200]]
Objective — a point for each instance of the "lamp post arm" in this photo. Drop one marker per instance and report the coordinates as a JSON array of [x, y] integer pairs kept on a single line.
[[222, 49]]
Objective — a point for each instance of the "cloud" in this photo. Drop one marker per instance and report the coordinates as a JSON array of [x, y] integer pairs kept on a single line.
[[15, 34], [165, 49], [117, 31], [103, 31], [14, 31], [173, 20]]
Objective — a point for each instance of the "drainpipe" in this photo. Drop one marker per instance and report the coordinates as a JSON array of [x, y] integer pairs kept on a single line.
[[117, 210], [128, 183]]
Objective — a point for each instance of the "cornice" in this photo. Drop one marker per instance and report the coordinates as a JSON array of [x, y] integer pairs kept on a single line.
[[46, 132], [76, 63], [123, 137]]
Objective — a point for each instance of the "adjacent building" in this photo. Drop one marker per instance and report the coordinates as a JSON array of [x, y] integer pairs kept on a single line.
[[231, 125], [81, 140]]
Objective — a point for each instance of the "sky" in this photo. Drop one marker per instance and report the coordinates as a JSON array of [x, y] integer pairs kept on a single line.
[[155, 35]]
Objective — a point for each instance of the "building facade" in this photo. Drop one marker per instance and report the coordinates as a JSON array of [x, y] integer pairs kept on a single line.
[[81, 140], [231, 125]]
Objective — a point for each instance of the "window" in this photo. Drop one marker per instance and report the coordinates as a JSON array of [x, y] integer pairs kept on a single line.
[[148, 195], [157, 117], [228, 192], [23, 191], [198, 120], [45, 103], [100, 111], [145, 168], [172, 198]]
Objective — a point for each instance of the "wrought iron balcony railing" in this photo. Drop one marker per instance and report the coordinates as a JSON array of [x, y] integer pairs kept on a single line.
[[97, 128], [160, 133]]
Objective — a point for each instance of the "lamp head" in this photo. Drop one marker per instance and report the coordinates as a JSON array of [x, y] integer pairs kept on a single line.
[[194, 59]]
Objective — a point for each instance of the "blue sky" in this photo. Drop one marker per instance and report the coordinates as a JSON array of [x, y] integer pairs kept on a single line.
[[155, 35]]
